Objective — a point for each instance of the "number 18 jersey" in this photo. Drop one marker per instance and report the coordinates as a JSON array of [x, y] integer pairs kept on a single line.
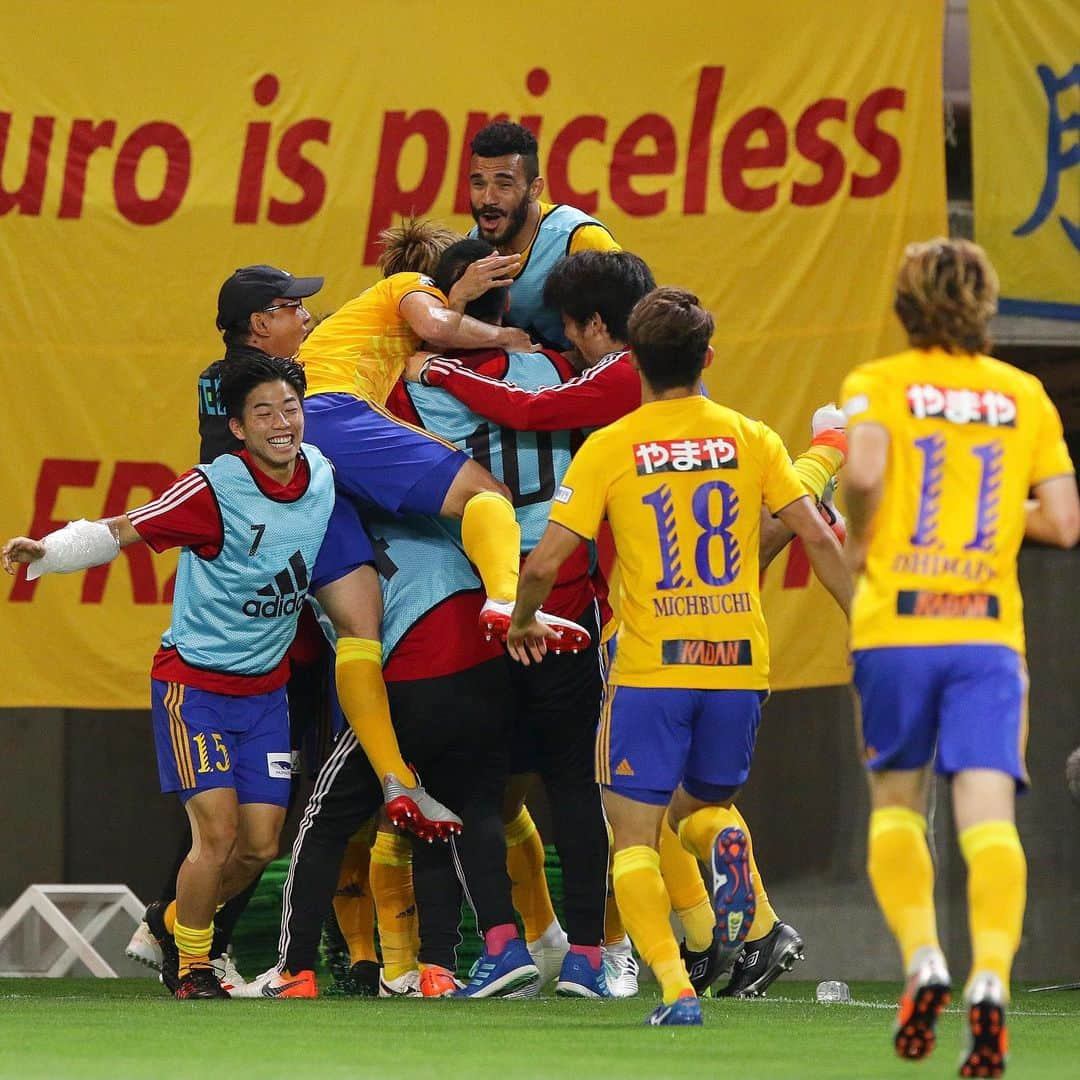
[[968, 436], [682, 482]]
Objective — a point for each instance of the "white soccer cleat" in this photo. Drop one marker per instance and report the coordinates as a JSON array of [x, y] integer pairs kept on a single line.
[[548, 952], [231, 979], [407, 985], [278, 985], [143, 947], [621, 969], [495, 622]]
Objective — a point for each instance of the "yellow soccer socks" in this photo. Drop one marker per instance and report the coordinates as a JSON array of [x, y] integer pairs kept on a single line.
[[525, 868], [353, 903], [362, 693], [646, 911], [391, 886], [491, 538], [902, 875], [689, 897], [997, 890], [193, 944]]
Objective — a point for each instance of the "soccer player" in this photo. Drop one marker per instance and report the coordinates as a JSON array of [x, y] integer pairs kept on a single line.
[[505, 186], [691, 664], [432, 670], [351, 360], [945, 443], [594, 293], [250, 526], [559, 703]]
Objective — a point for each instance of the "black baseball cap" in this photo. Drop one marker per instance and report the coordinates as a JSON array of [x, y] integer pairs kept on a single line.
[[252, 288]]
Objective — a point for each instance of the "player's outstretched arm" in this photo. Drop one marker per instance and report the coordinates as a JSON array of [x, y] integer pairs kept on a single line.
[[438, 325], [823, 549], [527, 636], [1053, 517], [79, 545]]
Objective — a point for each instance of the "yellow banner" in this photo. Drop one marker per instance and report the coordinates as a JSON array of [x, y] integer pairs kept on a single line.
[[1025, 120], [773, 157]]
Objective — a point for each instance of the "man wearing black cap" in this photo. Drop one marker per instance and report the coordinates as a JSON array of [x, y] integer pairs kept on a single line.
[[260, 310]]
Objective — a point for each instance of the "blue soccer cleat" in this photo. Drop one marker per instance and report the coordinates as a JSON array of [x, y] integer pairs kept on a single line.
[[579, 979], [511, 974], [682, 1012], [732, 889]]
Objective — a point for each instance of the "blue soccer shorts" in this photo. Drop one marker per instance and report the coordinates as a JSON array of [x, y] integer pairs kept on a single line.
[[967, 701], [206, 740], [651, 740], [380, 459]]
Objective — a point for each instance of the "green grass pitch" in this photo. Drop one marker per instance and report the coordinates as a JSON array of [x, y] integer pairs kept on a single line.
[[128, 1028]]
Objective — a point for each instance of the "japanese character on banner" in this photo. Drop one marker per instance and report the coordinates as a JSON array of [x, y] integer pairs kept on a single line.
[[998, 409], [686, 455], [962, 407], [721, 452], [651, 457]]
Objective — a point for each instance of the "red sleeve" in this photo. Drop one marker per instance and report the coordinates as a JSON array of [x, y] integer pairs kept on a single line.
[[185, 514], [598, 397], [491, 362]]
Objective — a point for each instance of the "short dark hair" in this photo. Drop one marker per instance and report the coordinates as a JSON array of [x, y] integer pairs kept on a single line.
[[241, 375], [946, 293], [669, 334], [453, 262], [604, 283], [502, 137]]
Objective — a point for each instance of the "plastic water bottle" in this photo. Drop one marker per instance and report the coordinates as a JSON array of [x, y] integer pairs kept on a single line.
[[830, 992]]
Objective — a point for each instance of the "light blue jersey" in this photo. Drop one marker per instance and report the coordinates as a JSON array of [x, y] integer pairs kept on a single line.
[[552, 242], [237, 612], [530, 463]]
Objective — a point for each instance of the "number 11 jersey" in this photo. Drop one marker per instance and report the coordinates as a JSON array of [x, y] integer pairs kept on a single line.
[[968, 437], [682, 482]]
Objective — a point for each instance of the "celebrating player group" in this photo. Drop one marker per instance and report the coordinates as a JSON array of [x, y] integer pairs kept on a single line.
[[534, 546]]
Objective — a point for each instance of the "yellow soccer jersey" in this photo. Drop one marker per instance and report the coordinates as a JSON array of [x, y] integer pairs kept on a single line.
[[361, 349], [968, 436], [682, 482]]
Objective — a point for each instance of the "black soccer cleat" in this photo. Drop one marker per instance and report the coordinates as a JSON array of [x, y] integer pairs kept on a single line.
[[170, 955], [705, 967], [987, 1049], [762, 962], [200, 983], [361, 980]]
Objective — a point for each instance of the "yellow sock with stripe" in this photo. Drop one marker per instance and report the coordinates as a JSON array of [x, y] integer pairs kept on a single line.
[[491, 538], [817, 466], [902, 875], [168, 916], [765, 918], [362, 693], [689, 897], [353, 903], [395, 903], [194, 946], [646, 910], [997, 891], [525, 868], [698, 831]]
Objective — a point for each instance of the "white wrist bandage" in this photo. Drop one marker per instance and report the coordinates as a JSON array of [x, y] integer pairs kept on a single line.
[[77, 546]]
